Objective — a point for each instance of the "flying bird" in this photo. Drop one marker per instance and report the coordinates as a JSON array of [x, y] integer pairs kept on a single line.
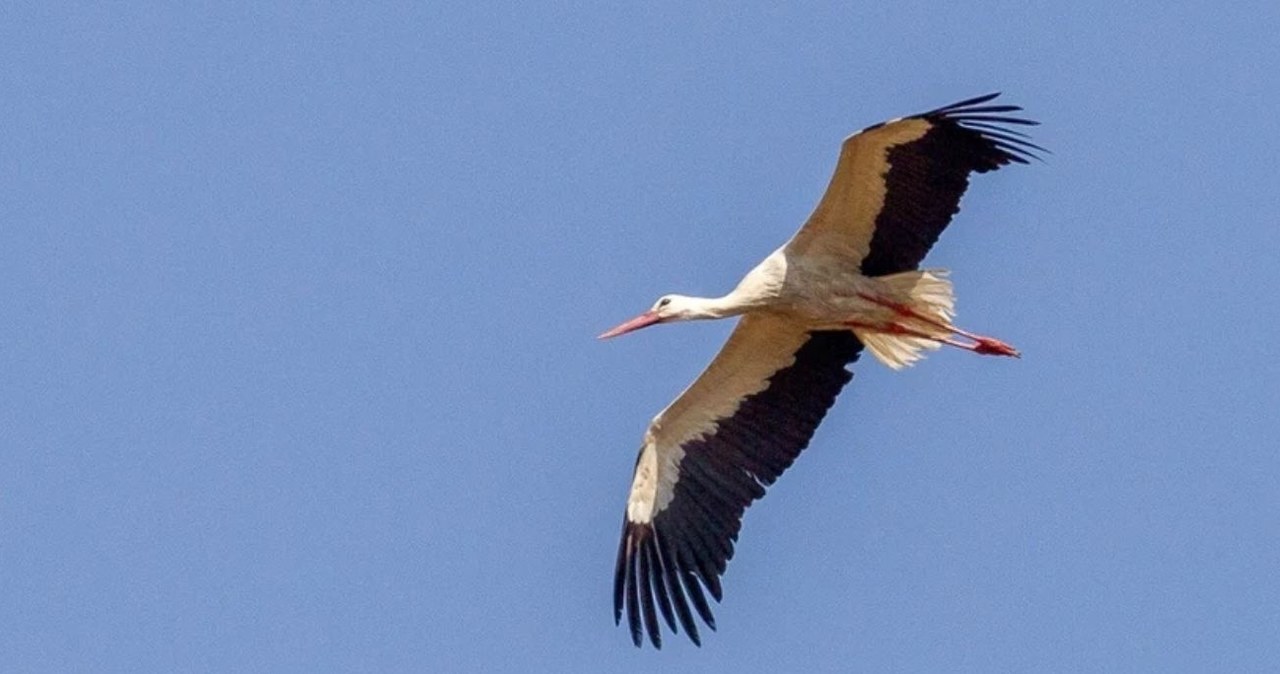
[[847, 280]]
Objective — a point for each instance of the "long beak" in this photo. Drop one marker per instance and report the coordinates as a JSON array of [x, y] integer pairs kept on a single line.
[[642, 321]]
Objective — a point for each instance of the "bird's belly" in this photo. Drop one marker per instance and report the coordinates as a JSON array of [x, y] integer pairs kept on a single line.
[[833, 304]]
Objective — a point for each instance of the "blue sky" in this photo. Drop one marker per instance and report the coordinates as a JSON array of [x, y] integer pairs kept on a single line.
[[299, 306]]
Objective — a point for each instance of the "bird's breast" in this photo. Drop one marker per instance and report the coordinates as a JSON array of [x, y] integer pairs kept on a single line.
[[820, 297]]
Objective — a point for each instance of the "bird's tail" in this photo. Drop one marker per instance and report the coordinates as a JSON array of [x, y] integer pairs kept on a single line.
[[903, 338]]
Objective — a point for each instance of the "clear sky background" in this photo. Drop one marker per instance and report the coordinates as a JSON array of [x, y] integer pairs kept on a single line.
[[298, 306]]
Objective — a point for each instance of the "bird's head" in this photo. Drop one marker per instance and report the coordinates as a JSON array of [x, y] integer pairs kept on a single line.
[[668, 308]]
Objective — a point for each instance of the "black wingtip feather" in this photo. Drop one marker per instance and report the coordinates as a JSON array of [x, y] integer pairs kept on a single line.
[[620, 571], [990, 125], [968, 102], [996, 119], [646, 582], [699, 599], [676, 590], [633, 596], [659, 584]]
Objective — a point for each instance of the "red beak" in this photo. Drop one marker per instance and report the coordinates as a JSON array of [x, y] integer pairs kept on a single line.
[[642, 321]]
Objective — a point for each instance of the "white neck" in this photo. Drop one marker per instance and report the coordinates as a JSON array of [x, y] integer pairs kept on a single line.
[[759, 288], [733, 304], [710, 307]]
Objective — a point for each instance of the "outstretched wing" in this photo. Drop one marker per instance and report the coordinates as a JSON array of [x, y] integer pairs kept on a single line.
[[709, 455], [897, 184]]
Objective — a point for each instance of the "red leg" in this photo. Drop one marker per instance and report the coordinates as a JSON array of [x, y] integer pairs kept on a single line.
[[987, 346], [899, 329], [990, 346]]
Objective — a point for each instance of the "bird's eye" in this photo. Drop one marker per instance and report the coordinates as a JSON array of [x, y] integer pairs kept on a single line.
[[664, 302]]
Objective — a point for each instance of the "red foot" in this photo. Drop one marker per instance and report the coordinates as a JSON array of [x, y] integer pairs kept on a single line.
[[991, 346]]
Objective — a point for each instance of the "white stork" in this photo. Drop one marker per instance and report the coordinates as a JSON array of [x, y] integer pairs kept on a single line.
[[846, 280]]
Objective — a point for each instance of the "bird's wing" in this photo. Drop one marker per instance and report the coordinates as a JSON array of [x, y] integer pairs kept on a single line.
[[708, 455], [897, 184]]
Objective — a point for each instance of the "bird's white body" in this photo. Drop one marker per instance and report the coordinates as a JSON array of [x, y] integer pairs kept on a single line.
[[821, 292], [847, 280]]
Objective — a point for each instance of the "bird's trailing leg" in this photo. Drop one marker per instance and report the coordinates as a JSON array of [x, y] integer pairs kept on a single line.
[[989, 346]]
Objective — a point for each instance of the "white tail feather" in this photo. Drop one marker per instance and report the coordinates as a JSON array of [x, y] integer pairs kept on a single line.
[[927, 292]]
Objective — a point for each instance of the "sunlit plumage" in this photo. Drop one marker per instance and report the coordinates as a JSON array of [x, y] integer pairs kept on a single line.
[[846, 281]]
